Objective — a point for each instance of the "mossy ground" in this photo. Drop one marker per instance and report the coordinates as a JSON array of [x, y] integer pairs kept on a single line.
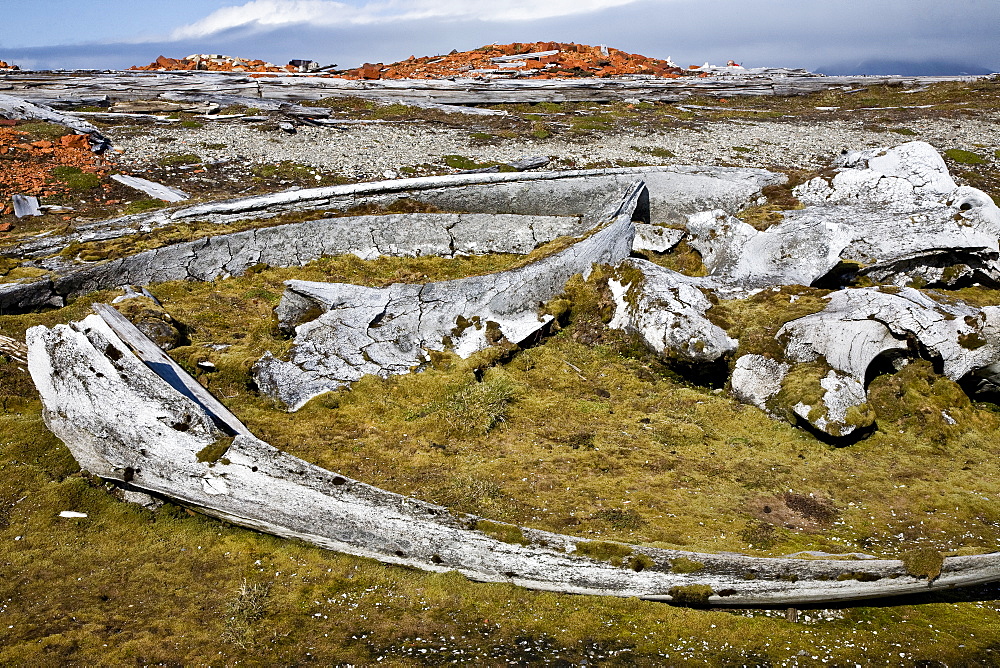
[[636, 456], [585, 434]]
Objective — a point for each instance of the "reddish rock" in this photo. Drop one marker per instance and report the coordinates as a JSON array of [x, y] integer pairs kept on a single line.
[[370, 71], [75, 141]]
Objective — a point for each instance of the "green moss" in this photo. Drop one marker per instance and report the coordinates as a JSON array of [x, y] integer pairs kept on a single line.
[[693, 595], [923, 562], [802, 386], [685, 565], [640, 562], [779, 199], [76, 178], [214, 452], [461, 162], [683, 258], [600, 550], [917, 399], [476, 408], [191, 125], [39, 130], [294, 172], [971, 340], [506, 533], [143, 205], [860, 416], [964, 157], [624, 520]]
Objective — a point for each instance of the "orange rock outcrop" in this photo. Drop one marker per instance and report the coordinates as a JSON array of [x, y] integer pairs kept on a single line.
[[569, 60], [543, 60], [26, 167]]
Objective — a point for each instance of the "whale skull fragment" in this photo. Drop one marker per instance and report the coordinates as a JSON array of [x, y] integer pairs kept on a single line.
[[895, 215], [387, 331], [839, 345]]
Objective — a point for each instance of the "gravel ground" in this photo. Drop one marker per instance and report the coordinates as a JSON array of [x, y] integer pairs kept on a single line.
[[373, 151]]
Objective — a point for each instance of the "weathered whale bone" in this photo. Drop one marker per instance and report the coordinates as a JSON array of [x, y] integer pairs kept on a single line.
[[859, 326], [667, 310], [293, 244], [896, 214], [674, 192], [905, 177], [938, 246], [125, 423], [389, 331], [152, 432]]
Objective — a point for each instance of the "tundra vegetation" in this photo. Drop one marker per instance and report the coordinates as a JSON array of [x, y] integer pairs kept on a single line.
[[584, 433]]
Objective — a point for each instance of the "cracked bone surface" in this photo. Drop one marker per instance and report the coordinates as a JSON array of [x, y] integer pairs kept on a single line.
[[125, 423], [895, 214], [368, 237], [837, 346], [909, 176], [674, 192], [388, 331], [667, 309]]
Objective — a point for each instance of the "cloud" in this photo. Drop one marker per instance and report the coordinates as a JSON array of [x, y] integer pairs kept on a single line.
[[753, 32], [270, 14]]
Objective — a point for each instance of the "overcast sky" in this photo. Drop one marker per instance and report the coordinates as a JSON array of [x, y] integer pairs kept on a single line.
[[793, 33]]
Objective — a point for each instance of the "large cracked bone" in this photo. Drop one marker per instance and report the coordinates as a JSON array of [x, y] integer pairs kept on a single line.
[[674, 192], [935, 245], [896, 213], [667, 310], [293, 244], [856, 328], [902, 178], [387, 331], [123, 422]]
